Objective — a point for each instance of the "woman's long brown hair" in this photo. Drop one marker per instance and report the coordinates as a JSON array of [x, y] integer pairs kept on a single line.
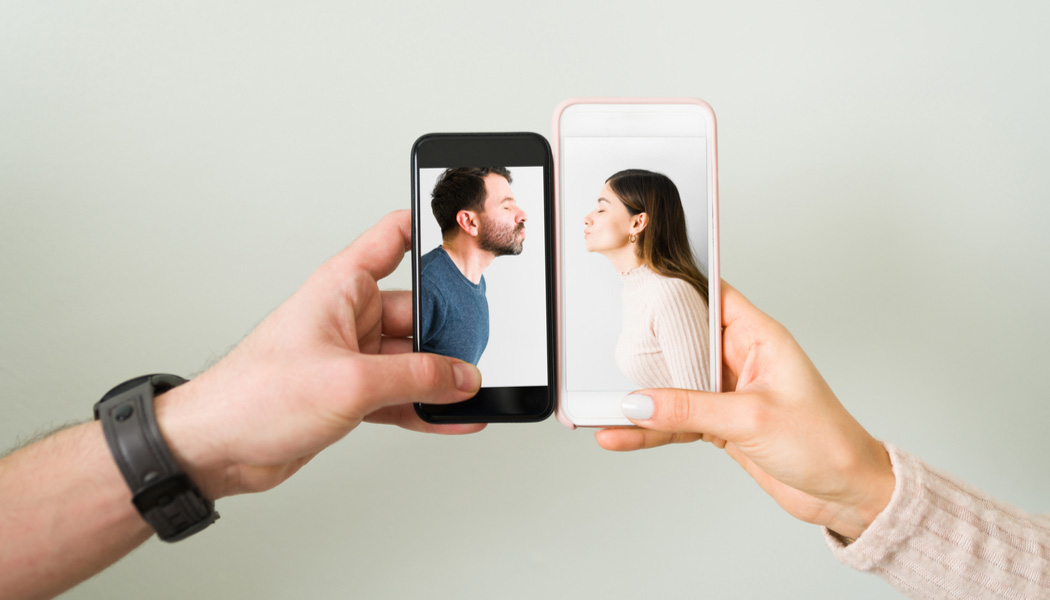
[[664, 243]]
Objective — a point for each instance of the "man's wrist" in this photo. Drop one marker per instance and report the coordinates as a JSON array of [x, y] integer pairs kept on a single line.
[[193, 449], [161, 490]]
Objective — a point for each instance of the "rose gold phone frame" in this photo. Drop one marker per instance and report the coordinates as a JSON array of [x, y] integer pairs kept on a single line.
[[714, 275]]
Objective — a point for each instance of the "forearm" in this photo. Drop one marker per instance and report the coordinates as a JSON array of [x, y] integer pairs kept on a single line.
[[65, 514], [940, 538]]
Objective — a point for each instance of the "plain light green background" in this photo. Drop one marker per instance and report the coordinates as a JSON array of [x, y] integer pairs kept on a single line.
[[170, 172]]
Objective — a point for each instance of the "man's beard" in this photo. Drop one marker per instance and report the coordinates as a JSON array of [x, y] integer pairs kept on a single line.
[[500, 240]]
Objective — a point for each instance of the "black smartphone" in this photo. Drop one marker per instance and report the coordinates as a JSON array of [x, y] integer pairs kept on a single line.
[[483, 269]]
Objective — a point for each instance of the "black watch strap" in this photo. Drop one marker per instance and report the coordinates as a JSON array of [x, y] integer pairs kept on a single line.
[[163, 495]]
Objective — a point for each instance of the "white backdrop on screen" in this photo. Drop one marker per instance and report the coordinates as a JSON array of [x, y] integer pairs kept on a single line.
[[517, 351], [591, 301]]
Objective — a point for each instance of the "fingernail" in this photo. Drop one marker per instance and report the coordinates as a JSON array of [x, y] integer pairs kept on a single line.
[[638, 407], [468, 377]]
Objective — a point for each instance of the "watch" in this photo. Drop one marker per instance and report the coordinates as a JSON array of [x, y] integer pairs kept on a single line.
[[163, 495]]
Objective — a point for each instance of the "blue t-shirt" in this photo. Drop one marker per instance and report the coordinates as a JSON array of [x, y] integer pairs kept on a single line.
[[454, 311]]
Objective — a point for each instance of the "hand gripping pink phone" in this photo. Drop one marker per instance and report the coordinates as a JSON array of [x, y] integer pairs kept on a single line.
[[636, 252]]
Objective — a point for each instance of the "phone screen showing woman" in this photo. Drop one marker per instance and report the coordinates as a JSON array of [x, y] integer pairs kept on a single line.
[[637, 236]]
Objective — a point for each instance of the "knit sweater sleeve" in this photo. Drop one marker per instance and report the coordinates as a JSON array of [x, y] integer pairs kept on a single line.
[[941, 538], [681, 328]]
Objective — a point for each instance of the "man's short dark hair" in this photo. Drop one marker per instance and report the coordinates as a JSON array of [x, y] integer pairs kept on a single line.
[[462, 188]]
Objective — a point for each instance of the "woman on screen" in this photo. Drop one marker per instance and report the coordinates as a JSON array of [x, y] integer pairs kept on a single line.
[[639, 225]]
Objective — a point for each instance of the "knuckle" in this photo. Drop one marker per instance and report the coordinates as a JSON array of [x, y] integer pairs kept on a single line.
[[681, 438], [428, 371], [654, 439], [754, 417], [681, 409], [356, 372]]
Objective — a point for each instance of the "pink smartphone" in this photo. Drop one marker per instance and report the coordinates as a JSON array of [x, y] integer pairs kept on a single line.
[[638, 303]]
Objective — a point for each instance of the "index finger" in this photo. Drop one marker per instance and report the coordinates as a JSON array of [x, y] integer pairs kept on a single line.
[[626, 439], [397, 313], [403, 415], [734, 305], [379, 250]]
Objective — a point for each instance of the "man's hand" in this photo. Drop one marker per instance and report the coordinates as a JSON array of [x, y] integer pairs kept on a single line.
[[333, 355], [337, 353], [780, 421]]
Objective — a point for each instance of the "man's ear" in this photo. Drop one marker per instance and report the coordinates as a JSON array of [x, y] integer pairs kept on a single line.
[[467, 220], [639, 222]]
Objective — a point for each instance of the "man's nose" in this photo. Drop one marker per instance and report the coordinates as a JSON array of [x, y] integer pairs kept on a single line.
[[521, 216]]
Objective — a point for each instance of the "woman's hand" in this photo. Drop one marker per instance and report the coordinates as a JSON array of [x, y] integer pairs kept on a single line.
[[780, 421]]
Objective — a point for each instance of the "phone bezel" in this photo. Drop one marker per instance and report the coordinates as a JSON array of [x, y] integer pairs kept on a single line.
[[715, 300], [521, 149]]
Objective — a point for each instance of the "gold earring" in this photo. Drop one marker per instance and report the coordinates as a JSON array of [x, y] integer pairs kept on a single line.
[[633, 238]]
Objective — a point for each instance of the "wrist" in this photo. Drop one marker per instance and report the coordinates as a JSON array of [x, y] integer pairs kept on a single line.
[[162, 492], [873, 488], [190, 440]]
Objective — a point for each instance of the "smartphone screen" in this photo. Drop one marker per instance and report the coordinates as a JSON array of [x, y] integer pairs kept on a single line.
[[482, 261], [638, 253]]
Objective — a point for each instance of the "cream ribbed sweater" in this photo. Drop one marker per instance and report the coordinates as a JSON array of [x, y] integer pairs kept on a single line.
[[941, 538], [664, 338]]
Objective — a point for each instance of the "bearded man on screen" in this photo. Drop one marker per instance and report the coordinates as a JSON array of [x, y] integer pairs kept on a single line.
[[480, 221]]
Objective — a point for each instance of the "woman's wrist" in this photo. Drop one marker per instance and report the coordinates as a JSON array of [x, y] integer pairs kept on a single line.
[[873, 488]]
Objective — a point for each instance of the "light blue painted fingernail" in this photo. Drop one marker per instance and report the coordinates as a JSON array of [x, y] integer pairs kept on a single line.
[[638, 407]]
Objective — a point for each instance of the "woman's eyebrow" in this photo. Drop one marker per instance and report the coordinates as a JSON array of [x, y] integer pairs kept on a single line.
[[603, 200]]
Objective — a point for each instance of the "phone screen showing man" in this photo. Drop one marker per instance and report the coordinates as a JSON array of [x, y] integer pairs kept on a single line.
[[482, 267]]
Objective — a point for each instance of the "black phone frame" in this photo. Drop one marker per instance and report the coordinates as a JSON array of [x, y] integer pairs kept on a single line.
[[523, 404]]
